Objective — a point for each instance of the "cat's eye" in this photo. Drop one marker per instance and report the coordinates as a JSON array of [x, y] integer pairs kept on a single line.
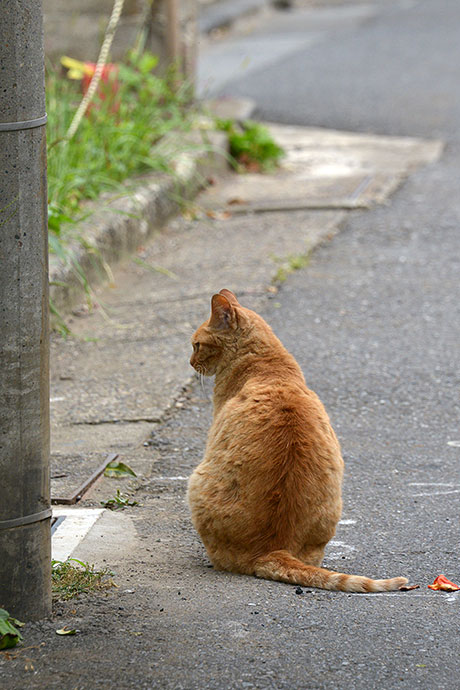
[[196, 347]]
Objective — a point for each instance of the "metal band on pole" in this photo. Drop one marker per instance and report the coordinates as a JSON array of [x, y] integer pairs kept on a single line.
[[26, 519], [26, 124]]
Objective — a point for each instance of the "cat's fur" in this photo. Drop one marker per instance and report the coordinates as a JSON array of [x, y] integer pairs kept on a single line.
[[266, 497]]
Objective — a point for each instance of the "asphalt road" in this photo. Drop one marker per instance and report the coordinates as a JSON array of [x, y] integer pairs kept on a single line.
[[375, 323], [388, 66]]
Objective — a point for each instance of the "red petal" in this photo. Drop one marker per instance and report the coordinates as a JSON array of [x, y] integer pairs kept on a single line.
[[441, 582]]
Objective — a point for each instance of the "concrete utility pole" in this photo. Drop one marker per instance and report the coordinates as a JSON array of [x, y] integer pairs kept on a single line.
[[25, 578]]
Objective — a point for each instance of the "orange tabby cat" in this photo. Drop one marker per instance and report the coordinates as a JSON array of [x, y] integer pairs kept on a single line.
[[266, 498]]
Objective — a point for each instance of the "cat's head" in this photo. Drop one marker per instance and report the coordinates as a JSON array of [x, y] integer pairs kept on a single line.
[[219, 339]]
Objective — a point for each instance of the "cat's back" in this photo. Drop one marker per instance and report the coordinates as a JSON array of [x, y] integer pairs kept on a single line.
[[276, 413]]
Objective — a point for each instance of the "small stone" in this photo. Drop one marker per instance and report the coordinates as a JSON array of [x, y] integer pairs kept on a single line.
[[299, 590]]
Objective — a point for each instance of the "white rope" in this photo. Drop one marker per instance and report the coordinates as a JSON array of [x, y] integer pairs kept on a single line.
[[101, 62]]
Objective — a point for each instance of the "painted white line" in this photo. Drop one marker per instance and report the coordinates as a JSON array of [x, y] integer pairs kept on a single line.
[[56, 399], [453, 597], [438, 493], [71, 531], [341, 549], [432, 484], [436, 485], [347, 522], [169, 479], [455, 444]]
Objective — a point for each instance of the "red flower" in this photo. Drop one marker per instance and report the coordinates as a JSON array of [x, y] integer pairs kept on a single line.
[[108, 85]]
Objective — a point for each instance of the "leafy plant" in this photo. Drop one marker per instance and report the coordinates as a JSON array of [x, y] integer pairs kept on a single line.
[[111, 143], [119, 501], [73, 577], [9, 635], [252, 145]]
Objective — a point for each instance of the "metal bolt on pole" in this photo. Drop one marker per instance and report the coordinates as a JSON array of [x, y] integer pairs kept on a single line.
[[25, 543]]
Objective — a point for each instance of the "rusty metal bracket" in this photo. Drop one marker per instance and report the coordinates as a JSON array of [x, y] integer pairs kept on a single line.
[[79, 493]]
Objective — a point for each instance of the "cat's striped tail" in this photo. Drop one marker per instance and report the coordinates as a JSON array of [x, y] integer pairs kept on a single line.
[[282, 566]]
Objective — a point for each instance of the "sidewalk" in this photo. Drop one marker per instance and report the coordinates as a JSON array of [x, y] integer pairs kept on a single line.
[[122, 384]]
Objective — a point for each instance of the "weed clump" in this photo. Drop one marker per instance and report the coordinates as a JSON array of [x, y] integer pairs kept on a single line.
[[73, 577], [252, 146]]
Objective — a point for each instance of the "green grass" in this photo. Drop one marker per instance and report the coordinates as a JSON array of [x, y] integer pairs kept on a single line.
[[252, 146], [111, 143], [119, 501], [73, 577], [291, 263]]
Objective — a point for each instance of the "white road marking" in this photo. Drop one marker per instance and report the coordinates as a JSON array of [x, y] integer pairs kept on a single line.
[[169, 479], [436, 485], [75, 527], [453, 597], [432, 484], [341, 549], [438, 493]]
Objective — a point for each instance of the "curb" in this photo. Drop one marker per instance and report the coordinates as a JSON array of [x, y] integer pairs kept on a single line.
[[118, 226]]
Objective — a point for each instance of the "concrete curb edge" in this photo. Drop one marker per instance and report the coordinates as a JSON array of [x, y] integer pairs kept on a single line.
[[118, 226]]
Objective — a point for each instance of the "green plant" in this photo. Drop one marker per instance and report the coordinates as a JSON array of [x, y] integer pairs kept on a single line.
[[251, 145], [118, 502], [9, 635], [288, 265], [73, 577], [111, 143]]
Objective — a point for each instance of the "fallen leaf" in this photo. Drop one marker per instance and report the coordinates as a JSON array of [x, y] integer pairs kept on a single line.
[[236, 200], [118, 469], [441, 582], [407, 588], [66, 631], [218, 215]]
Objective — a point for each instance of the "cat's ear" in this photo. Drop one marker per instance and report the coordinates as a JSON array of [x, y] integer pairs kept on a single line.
[[223, 315], [229, 295]]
